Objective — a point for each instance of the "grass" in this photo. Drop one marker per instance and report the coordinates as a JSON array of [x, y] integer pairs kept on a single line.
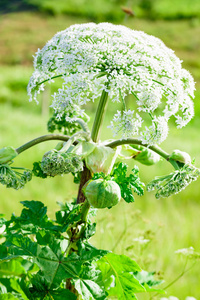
[[169, 224]]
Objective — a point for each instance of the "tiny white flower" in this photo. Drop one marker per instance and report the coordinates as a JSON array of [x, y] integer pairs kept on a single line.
[[91, 58], [185, 251], [141, 240]]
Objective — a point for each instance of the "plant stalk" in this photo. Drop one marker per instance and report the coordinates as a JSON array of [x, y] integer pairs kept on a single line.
[[101, 109], [86, 174], [154, 148], [41, 139]]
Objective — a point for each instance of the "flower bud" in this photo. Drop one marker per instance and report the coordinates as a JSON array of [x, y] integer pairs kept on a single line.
[[101, 159], [101, 193], [181, 156], [146, 156], [7, 154], [56, 163]]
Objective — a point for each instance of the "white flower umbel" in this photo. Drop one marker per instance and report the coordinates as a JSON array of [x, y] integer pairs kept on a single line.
[[91, 58]]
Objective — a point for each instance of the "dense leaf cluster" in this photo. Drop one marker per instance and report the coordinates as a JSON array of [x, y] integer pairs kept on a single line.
[[52, 259]]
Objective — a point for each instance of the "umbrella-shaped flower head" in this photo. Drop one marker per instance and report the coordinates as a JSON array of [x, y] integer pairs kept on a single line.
[[91, 58]]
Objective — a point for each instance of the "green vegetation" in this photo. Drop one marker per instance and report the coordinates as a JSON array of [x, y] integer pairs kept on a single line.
[[168, 224], [108, 10]]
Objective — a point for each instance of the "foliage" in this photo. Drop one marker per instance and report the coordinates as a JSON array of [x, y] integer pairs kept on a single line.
[[40, 255], [62, 125], [108, 10], [127, 183], [63, 262]]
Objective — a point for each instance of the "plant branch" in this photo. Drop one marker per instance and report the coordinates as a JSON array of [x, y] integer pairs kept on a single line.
[[154, 148], [41, 139]]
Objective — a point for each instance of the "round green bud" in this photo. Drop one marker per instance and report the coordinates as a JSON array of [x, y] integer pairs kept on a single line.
[[147, 157], [181, 156], [101, 193], [7, 154]]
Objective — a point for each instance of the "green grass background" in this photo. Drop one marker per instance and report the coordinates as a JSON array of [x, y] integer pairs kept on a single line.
[[169, 224]]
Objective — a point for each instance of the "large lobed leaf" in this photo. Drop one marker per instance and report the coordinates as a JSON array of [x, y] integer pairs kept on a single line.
[[121, 268]]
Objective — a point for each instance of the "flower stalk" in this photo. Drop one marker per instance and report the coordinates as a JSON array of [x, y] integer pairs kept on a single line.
[[154, 148], [99, 116], [41, 139]]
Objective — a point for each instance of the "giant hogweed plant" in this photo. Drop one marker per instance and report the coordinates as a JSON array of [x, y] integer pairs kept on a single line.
[[104, 64]]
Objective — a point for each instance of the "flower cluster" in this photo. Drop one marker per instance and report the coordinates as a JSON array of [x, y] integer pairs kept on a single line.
[[91, 58], [13, 178], [58, 163], [188, 252], [174, 182]]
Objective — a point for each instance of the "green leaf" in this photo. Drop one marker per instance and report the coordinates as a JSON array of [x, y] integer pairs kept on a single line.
[[121, 268], [89, 290], [15, 285], [69, 214], [151, 289], [37, 170], [89, 231], [11, 268], [148, 281], [87, 284], [40, 290], [33, 217], [127, 183], [3, 251], [87, 252], [8, 296]]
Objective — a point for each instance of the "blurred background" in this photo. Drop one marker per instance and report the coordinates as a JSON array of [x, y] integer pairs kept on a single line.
[[165, 224]]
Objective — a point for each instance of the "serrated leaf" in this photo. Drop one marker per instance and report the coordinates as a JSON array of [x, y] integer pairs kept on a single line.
[[87, 252], [89, 290], [33, 217], [50, 259], [87, 283], [69, 215], [40, 290], [121, 267], [127, 183]]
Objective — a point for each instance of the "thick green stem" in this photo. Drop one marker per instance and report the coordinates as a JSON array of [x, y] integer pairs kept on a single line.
[[41, 139], [99, 116], [154, 148]]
